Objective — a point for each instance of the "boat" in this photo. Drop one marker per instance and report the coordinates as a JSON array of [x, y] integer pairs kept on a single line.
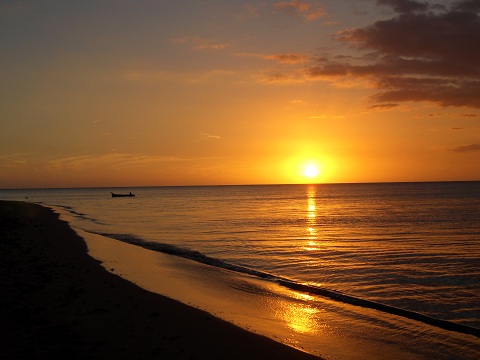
[[123, 195]]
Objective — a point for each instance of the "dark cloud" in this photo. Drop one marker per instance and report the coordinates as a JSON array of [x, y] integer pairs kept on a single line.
[[467, 148], [384, 106], [405, 6], [423, 53], [467, 5]]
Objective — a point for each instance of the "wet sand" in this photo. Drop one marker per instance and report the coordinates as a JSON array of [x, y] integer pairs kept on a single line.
[[58, 301]]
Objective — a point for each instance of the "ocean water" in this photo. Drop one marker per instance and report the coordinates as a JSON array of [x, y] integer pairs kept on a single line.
[[394, 264]]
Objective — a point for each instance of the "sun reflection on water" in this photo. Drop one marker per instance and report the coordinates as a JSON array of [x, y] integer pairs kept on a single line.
[[311, 220]]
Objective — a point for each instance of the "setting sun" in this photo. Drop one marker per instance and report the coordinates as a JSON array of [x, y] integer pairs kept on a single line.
[[311, 171], [307, 169]]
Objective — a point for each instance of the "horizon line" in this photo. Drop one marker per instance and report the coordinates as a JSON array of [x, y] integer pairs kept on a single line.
[[220, 185]]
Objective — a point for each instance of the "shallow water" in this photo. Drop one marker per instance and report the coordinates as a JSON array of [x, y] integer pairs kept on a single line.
[[413, 247]]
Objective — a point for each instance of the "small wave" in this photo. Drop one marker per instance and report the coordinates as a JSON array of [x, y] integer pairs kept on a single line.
[[293, 285], [188, 254], [72, 211]]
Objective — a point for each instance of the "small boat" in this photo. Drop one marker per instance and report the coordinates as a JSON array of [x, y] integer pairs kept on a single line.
[[122, 195]]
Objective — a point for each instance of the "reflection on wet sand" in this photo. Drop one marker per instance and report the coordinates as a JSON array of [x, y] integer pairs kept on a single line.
[[301, 316]]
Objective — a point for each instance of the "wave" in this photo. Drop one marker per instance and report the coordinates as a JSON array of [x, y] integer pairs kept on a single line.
[[75, 213], [293, 285]]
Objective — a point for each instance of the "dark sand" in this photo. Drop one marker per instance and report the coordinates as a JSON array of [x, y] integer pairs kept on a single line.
[[58, 302]]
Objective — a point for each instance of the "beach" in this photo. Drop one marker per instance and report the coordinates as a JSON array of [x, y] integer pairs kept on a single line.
[[58, 301]]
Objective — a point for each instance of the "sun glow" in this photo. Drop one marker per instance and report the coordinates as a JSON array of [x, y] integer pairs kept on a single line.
[[308, 169], [311, 171]]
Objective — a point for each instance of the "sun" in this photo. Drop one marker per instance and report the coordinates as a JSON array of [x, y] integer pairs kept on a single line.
[[311, 171], [306, 169]]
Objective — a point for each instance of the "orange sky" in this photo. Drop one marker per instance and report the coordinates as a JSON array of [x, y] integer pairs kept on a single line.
[[131, 93]]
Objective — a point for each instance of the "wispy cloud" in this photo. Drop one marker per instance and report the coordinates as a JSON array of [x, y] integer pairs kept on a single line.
[[318, 117], [148, 76], [13, 160], [298, 102], [86, 164], [155, 76], [112, 160], [282, 77], [310, 11], [83, 162], [250, 11], [283, 58], [198, 43], [209, 136]]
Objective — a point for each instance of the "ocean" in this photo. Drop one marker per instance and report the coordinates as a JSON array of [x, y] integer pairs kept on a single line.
[[344, 271]]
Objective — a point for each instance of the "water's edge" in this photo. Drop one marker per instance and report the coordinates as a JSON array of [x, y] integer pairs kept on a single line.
[[294, 285]]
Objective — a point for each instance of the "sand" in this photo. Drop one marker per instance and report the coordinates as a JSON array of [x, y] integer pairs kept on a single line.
[[58, 301]]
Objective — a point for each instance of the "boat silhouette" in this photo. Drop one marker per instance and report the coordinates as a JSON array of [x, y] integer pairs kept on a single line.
[[122, 195]]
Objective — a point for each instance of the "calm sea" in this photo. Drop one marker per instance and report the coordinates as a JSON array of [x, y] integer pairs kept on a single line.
[[409, 251]]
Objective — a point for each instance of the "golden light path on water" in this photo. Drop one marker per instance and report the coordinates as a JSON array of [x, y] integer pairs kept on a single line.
[[311, 220]]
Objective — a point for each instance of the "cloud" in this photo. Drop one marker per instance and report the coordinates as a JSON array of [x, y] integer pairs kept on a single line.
[[298, 102], [386, 106], [111, 160], [405, 6], [467, 5], [156, 76], [309, 11], [198, 43], [283, 58], [282, 77], [209, 136], [250, 11], [424, 56], [288, 58], [92, 163], [13, 160], [425, 52], [318, 117], [467, 148], [147, 76]]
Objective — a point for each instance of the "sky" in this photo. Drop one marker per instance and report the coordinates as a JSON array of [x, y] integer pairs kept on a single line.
[[150, 93]]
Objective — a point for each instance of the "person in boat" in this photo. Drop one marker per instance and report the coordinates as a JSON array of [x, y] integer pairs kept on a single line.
[[130, 193]]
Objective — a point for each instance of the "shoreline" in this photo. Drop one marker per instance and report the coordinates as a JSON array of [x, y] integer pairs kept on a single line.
[[59, 301]]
